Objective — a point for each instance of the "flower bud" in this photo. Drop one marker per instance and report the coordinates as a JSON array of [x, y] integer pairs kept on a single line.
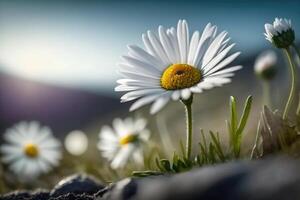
[[265, 65], [280, 33]]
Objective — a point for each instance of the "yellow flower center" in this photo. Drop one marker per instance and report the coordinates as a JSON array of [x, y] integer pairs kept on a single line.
[[179, 76], [31, 150], [128, 138]]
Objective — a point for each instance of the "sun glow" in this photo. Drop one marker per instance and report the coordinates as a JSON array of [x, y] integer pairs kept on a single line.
[[56, 61]]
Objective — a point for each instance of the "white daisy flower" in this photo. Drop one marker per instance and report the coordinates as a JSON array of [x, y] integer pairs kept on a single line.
[[280, 33], [124, 142], [265, 65], [174, 65], [30, 149]]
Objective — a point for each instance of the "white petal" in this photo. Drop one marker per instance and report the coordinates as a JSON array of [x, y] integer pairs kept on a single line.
[[159, 104], [143, 101], [228, 70], [193, 47], [213, 48], [158, 48], [18, 166], [145, 56], [139, 93], [270, 30], [185, 93], [216, 59], [133, 82], [139, 77], [222, 64], [167, 45], [205, 85], [174, 42], [176, 95], [122, 156], [183, 39], [203, 43], [132, 73], [133, 64], [217, 81], [120, 127], [107, 134]]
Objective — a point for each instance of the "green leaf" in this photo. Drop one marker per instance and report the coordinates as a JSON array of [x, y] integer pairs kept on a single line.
[[166, 165], [217, 145], [242, 124], [146, 173], [233, 118], [203, 139], [158, 164], [175, 158], [182, 148], [181, 165], [212, 157], [245, 115], [198, 160]]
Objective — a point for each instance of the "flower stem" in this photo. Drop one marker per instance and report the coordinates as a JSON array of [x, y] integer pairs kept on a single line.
[[267, 94], [293, 84], [189, 126], [298, 108]]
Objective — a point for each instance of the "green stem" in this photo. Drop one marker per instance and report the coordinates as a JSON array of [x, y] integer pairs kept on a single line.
[[298, 108], [267, 94], [293, 84], [189, 126]]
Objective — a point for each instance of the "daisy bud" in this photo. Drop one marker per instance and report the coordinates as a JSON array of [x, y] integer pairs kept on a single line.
[[280, 33], [265, 65]]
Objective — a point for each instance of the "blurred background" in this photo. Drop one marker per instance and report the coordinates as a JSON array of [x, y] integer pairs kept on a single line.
[[58, 60]]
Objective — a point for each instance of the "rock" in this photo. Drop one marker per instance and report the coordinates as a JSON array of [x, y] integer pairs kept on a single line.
[[273, 178], [71, 196], [268, 179], [18, 195], [124, 189], [27, 195], [77, 184]]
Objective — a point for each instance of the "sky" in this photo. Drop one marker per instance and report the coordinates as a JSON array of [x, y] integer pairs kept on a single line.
[[78, 43]]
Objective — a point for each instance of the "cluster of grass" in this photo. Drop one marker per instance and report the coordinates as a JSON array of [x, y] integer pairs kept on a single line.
[[211, 148]]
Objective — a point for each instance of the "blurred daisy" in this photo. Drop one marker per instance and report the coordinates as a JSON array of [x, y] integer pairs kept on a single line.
[[174, 66], [124, 142], [280, 33], [76, 142], [265, 65], [30, 149]]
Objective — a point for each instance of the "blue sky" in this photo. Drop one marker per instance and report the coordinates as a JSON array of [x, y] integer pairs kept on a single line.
[[78, 44]]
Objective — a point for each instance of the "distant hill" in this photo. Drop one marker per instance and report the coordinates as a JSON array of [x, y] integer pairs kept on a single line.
[[63, 109]]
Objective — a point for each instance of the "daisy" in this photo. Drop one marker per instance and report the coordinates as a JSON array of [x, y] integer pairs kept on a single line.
[[280, 33], [174, 65], [30, 149], [265, 65], [124, 141]]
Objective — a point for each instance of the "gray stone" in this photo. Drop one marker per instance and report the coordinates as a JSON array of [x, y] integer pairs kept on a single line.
[[27, 195], [268, 179], [77, 184], [273, 178]]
